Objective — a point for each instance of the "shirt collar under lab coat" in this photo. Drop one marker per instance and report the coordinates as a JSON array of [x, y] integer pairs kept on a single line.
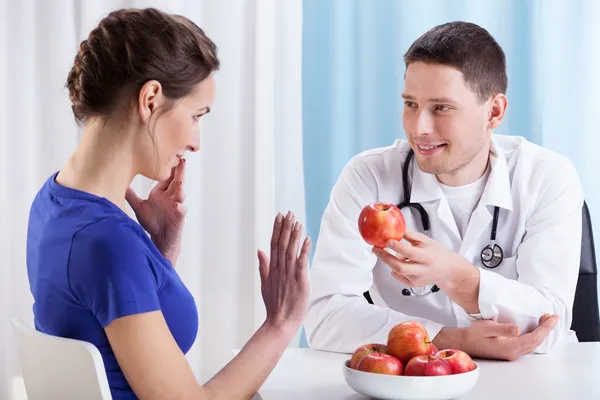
[[425, 187]]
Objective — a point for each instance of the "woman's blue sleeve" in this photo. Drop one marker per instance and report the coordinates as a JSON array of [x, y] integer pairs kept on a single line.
[[110, 273]]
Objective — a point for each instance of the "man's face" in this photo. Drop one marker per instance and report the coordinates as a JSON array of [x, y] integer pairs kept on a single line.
[[444, 120]]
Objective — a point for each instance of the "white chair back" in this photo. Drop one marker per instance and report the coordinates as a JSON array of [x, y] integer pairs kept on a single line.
[[59, 368]]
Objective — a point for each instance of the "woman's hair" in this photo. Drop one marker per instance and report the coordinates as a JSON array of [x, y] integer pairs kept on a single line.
[[130, 47]]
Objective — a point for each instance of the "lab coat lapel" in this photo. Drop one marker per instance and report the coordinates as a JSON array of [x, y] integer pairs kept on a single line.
[[445, 215], [480, 220], [497, 192]]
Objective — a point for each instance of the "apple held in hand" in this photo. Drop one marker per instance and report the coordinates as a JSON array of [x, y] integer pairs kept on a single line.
[[427, 365], [407, 340], [367, 349], [458, 360], [380, 222], [380, 363]]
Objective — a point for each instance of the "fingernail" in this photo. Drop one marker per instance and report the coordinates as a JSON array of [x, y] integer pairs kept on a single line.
[[308, 240], [389, 244], [279, 217], [289, 215], [180, 183], [297, 226], [183, 160]]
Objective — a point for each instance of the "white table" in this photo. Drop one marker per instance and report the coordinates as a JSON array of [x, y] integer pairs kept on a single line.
[[570, 373]]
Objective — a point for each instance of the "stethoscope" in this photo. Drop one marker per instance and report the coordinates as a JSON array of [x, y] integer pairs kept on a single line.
[[491, 255]]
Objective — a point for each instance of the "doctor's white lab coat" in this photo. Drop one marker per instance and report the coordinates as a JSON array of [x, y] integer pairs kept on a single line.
[[539, 230]]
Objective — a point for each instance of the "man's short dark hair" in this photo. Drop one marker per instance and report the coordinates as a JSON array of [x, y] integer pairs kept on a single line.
[[467, 47]]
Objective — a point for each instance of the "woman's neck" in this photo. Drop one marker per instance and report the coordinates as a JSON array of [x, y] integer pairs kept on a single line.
[[103, 163]]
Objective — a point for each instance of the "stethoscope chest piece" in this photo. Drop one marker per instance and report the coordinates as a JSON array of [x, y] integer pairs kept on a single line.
[[492, 255]]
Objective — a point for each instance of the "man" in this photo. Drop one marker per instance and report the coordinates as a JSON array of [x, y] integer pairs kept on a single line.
[[465, 178]]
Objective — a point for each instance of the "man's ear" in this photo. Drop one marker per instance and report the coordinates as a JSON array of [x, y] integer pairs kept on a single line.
[[498, 106], [149, 98]]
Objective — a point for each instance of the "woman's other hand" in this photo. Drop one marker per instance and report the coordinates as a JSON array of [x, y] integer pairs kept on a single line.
[[284, 276]]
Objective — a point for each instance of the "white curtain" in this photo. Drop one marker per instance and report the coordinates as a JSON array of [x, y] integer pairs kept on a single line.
[[248, 169]]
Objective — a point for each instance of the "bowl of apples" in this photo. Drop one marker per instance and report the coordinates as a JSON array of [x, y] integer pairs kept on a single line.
[[410, 367]]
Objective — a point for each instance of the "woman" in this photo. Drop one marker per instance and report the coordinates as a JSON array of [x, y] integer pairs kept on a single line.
[[140, 83]]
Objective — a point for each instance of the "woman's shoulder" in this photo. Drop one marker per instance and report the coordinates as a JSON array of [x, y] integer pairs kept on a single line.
[[111, 235], [113, 249], [61, 210]]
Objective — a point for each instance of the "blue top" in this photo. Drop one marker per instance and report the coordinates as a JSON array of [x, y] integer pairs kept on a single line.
[[89, 264]]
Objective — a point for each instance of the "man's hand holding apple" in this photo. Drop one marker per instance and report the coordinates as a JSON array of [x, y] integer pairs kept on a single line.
[[424, 261]]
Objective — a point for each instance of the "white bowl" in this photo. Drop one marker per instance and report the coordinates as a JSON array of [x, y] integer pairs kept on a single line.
[[390, 387]]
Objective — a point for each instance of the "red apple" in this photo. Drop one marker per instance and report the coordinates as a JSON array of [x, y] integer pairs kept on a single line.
[[380, 363], [458, 360], [367, 349], [407, 340], [427, 365], [380, 222]]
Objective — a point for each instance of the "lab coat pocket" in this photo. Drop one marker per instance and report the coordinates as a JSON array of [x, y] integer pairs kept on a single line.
[[507, 268]]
